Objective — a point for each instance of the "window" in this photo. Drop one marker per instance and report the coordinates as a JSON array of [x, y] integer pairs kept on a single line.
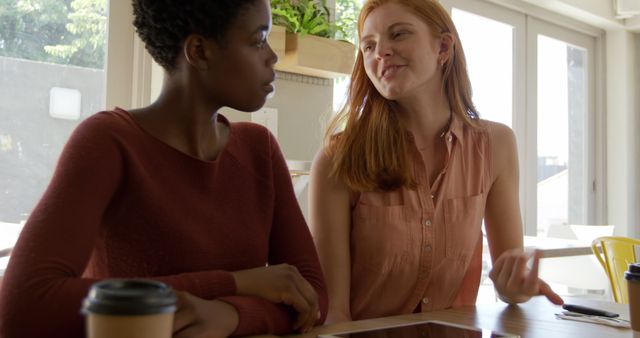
[[490, 63], [346, 13], [562, 98], [562, 104], [537, 78], [53, 60]]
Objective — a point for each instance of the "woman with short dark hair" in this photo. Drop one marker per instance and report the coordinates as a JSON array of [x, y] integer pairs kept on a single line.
[[176, 193]]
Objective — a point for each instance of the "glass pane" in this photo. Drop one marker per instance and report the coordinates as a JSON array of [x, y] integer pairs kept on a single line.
[[52, 56], [562, 107], [346, 18], [489, 63]]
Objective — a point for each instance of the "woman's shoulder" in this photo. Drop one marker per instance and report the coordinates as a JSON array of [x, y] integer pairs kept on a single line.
[[497, 132], [322, 161], [107, 120], [325, 158], [103, 124], [97, 139], [503, 145], [253, 146], [250, 132], [322, 169]]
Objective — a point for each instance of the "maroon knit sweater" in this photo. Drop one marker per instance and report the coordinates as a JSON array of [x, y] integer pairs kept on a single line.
[[124, 204]]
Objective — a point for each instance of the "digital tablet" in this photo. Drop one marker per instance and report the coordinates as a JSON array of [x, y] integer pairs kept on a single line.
[[427, 329]]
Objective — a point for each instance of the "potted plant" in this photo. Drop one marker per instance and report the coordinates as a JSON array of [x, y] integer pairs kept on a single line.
[[310, 47]]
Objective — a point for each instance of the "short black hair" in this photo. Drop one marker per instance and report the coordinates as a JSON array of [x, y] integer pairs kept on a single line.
[[163, 25]]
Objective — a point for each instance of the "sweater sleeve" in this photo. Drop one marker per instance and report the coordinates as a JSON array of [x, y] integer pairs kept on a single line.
[[43, 283], [290, 242]]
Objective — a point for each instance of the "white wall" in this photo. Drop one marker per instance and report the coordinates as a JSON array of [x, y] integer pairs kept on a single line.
[[633, 24], [622, 169], [596, 13], [304, 106], [599, 13], [635, 230]]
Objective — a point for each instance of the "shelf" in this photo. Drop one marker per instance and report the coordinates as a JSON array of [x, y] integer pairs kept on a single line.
[[312, 55]]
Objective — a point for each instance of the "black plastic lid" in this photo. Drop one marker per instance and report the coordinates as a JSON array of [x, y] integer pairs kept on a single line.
[[633, 273], [129, 297]]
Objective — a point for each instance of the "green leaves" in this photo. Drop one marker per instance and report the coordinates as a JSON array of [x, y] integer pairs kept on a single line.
[[87, 24], [313, 17], [303, 17], [59, 31], [347, 12]]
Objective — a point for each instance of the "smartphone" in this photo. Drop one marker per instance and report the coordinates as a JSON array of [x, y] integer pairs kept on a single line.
[[428, 329], [589, 311]]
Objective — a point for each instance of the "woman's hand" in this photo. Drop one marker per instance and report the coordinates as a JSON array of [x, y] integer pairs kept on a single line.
[[197, 318], [515, 283], [281, 284]]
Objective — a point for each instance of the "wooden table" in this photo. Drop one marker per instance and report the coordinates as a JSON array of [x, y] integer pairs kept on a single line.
[[534, 319]]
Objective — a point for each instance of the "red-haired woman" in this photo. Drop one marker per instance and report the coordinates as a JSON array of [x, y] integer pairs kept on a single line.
[[408, 174]]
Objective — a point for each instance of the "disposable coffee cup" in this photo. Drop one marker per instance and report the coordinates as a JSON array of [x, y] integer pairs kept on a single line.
[[129, 308], [633, 283]]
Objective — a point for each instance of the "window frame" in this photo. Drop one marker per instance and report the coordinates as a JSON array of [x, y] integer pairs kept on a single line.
[[537, 27], [527, 22], [129, 67]]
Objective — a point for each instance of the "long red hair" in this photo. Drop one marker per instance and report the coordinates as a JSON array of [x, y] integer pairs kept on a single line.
[[366, 140]]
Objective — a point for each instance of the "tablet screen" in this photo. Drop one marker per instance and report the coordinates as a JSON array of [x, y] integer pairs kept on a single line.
[[431, 329]]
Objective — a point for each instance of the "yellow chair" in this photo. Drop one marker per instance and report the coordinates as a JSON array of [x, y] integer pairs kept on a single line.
[[615, 254]]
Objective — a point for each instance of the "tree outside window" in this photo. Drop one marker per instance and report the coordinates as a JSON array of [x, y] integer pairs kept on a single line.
[[347, 12], [70, 32]]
